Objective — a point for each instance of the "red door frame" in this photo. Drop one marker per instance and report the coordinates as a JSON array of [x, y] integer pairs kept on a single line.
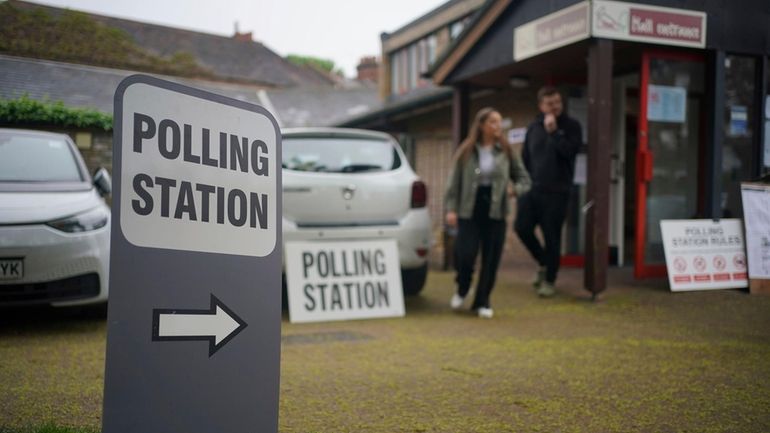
[[644, 161]]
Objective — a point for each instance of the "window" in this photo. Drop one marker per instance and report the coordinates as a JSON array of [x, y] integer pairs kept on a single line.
[[740, 118], [766, 119], [27, 158], [413, 66], [395, 67], [338, 155], [432, 44], [409, 63], [457, 27]]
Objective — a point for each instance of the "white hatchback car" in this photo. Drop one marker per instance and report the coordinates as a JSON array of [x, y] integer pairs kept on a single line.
[[54, 224], [349, 184]]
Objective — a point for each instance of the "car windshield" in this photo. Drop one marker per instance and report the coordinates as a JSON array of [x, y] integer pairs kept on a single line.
[[338, 154], [30, 158]]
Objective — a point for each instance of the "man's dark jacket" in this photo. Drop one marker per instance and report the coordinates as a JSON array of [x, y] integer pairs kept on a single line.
[[550, 158]]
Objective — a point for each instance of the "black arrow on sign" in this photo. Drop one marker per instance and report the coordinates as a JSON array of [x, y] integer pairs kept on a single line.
[[217, 325]]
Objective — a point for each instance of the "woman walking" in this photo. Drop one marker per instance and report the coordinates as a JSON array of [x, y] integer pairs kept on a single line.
[[477, 203]]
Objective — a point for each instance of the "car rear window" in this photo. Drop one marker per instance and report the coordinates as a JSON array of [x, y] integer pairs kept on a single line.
[[27, 158], [339, 155]]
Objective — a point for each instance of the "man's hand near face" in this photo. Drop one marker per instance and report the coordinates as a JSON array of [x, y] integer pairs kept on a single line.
[[549, 123]]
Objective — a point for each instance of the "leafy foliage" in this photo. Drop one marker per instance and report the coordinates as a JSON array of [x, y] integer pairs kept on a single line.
[[29, 111], [325, 65], [76, 37]]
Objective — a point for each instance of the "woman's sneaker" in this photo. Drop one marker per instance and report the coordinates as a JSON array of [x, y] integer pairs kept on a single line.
[[485, 312], [456, 302]]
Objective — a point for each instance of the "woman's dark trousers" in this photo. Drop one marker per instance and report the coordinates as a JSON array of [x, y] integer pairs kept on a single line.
[[486, 234]]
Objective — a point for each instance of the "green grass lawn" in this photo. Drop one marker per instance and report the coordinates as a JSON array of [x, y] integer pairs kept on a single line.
[[641, 360]]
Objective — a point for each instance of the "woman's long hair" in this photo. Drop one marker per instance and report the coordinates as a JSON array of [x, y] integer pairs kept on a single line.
[[465, 148]]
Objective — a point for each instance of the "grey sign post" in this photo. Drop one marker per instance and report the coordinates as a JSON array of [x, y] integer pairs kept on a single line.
[[194, 317]]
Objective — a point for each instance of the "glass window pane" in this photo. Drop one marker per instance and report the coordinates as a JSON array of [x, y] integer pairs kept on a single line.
[[766, 119], [674, 106], [25, 158], [394, 68], [338, 155], [740, 116]]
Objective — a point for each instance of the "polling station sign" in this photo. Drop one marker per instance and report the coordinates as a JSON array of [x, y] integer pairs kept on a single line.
[[343, 280], [194, 316], [704, 254]]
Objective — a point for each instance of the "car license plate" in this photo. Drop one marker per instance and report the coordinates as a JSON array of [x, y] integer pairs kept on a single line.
[[11, 269]]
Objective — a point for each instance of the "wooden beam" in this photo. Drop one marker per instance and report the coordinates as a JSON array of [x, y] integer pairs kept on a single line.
[[599, 151], [461, 101]]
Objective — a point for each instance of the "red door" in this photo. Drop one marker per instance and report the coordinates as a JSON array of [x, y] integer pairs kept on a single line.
[[668, 157]]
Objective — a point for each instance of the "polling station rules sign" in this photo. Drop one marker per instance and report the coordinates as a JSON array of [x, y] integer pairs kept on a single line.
[[343, 280], [704, 254], [193, 335]]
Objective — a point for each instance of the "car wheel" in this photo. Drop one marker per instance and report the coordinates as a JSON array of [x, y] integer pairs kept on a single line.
[[413, 280]]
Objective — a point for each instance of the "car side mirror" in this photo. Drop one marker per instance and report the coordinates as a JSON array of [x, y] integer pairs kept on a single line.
[[103, 181]]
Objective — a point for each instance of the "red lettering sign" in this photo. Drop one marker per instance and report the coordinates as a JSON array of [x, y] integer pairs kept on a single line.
[[665, 25]]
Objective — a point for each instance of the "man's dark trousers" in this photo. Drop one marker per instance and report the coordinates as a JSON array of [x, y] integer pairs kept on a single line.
[[547, 210]]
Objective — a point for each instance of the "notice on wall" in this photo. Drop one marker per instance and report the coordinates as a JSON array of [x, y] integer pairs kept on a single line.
[[666, 103], [704, 254], [756, 215], [739, 121], [517, 135], [343, 280]]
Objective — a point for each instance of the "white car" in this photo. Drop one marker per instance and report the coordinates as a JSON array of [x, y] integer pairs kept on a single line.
[[349, 184], [54, 224]]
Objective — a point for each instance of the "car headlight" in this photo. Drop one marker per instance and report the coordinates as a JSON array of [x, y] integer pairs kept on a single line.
[[86, 221]]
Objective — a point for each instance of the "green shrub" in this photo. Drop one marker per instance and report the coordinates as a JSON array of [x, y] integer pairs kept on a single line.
[[25, 111]]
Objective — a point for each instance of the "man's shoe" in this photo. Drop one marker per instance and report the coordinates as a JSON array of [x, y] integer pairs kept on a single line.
[[539, 278], [546, 290], [485, 313], [456, 302]]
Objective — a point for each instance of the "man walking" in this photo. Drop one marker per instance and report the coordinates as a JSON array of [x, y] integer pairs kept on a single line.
[[550, 146]]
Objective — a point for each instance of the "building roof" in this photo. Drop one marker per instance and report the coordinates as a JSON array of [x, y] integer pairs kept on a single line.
[[94, 87], [321, 105], [227, 57], [87, 86], [414, 100]]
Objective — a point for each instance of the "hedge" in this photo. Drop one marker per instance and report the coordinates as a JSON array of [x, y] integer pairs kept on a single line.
[[24, 110]]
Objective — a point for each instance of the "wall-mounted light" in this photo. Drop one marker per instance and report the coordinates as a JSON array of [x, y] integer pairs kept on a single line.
[[519, 82]]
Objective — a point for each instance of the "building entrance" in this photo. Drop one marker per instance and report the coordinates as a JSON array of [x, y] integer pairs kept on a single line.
[[669, 154]]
